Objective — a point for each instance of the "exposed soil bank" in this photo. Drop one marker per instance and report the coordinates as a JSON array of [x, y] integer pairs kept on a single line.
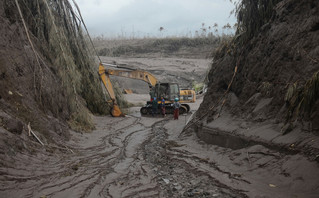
[[281, 55]]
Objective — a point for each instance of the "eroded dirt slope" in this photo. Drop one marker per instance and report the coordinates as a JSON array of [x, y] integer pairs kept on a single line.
[[29, 91], [283, 53]]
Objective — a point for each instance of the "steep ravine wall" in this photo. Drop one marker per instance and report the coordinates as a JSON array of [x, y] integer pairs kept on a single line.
[[45, 82], [283, 53]]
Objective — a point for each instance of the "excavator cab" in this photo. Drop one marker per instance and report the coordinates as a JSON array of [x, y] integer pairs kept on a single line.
[[169, 91]]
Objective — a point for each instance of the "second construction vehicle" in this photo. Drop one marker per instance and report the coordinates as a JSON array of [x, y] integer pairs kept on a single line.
[[169, 91]]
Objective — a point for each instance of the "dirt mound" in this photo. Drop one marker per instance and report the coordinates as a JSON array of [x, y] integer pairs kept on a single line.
[[281, 54]]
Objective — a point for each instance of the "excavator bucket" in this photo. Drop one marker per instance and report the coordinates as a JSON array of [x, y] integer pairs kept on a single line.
[[116, 112]]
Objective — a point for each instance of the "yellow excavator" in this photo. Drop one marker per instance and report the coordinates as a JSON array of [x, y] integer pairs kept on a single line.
[[169, 91]]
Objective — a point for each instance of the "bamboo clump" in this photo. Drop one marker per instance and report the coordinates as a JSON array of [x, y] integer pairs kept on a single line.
[[56, 30], [302, 100], [252, 15]]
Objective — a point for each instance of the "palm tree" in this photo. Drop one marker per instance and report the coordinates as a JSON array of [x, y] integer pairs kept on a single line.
[[215, 27], [161, 29]]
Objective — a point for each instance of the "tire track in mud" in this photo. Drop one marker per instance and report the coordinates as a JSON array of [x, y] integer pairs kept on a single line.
[[108, 170], [96, 158], [86, 173], [139, 179], [128, 157]]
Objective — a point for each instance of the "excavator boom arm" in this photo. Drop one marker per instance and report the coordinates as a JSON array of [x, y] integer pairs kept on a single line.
[[135, 74], [116, 112], [106, 81]]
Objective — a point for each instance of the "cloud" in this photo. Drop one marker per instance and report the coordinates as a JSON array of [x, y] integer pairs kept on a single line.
[[142, 17]]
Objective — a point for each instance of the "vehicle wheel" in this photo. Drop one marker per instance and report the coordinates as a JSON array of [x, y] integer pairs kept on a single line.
[[143, 110], [187, 107], [182, 110]]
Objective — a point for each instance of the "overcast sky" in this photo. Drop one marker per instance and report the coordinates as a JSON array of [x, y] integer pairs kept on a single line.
[[113, 18]]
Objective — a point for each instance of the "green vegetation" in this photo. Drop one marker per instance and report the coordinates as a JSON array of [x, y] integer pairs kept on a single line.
[[197, 86]]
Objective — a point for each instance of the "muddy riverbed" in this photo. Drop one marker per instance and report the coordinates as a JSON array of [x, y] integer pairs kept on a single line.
[[124, 157], [139, 156]]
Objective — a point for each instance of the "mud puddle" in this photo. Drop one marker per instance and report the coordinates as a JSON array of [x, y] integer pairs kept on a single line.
[[255, 168], [222, 139]]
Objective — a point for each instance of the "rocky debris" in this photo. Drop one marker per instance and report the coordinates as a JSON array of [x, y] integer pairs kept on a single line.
[[175, 177]]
